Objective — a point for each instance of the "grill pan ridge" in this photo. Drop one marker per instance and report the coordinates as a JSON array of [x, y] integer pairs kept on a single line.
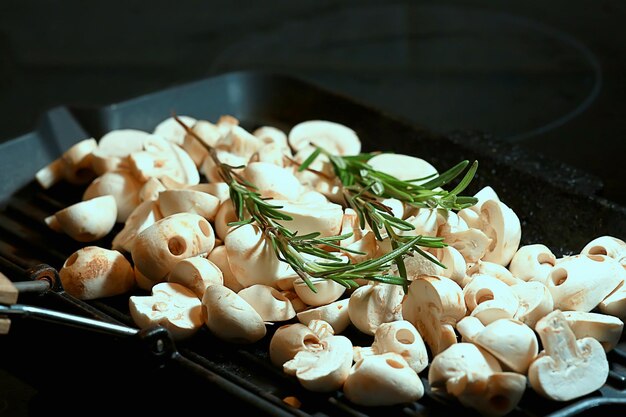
[[557, 205]]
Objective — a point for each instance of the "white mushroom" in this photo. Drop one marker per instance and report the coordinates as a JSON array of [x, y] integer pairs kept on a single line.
[[461, 360], [494, 270], [239, 142], [485, 194], [299, 305], [74, 166], [142, 282], [172, 306], [497, 396], [94, 272], [188, 201], [221, 190], [375, 304], [470, 217], [321, 328], [403, 167], [144, 216], [615, 303], [456, 266], [336, 314], [161, 246], [433, 305], [150, 189], [88, 220], [327, 291], [532, 263], [272, 135], [220, 258], [212, 171], [489, 299], [333, 137], [225, 123], [324, 218], [289, 340], [569, 368], [503, 227], [230, 317], [402, 337], [473, 244], [605, 329], [383, 380], [426, 223], [196, 273], [208, 133], [510, 341], [268, 302], [171, 130], [273, 181], [225, 215], [581, 282], [161, 158], [535, 301], [607, 245], [324, 369], [122, 186], [114, 147]]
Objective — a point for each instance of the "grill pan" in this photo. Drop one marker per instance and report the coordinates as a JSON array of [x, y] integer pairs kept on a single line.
[[557, 205]]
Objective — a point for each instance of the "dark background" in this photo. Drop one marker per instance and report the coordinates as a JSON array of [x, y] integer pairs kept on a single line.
[[550, 76]]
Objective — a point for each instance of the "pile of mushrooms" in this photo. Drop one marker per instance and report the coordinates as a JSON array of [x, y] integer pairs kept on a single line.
[[497, 319]]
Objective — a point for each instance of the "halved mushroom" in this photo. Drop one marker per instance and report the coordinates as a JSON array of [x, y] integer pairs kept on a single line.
[[74, 166], [402, 337], [172, 131], [502, 226], [188, 201], [240, 142], [403, 167], [208, 133], [161, 158], [497, 396], [89, 220], [122, 186], [532, 263], [150, 189], [384, 379], [290, 339], [494, 270], [450, 222], [605, 329], [230, 317], [172, 306], [375, 304], [196, 273], [212, 171], [225, 215], [607, 245], [297, 304], [510, 341], [272, 135], [333, 137], [470, 217], [221, 190], [94, 272], [322, 370], [473, 244], [324, 218], [433, 305], [535, 301], [273, 181], [336, 314], [568, 368], [114, 147], [268, 302], [489, 299], [426, 223], [143, 282], [456, 267], [615, 303], [161, 246], [220, 258], [581, 282], [485, 194], [327, 291], [144, 216], [321, 328]]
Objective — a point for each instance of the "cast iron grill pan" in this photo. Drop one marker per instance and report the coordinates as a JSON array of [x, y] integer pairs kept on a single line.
[[557, 205]]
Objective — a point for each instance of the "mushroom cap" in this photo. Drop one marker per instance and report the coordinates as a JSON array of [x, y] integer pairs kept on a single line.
[[170, 130], [94, 272], [196, 273], [212, 171], [324, 369], [77, 162], [289, 340], [485, 194], [230, 317], [605, 329], [336, 314], [271, 134], [473, 244], [114, 147], [221, 190], [208, 133], [375, 304], [225, 215], [532, 263], [497, 396], [489, 299], [161, 158], [502, 225], [151, 189], [403, 167], [461, 360], [384, 379], [188, 201], [402, 337], [615, 304], [456, 266], [426, 223], [327, 291], [89, 220], [535, 301], [172, 306], [307, 217], [273, 181], [220, 258], [494, 270], [333, 137], [268, 302], [240, 142], [122, 186], [144, 216], [607, 245]]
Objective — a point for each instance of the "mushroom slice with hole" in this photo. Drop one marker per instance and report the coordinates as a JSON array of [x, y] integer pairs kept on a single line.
[[605, 329], [332, 137], [402, 337], [268, 302], [489, 299], [324, 369], [196, 273], [568, 368], [88, 220], [74, 166], [510, 341], [433, 305], [403, 167], [493, 270], [485, 194], [502, 226], [385, 379], [144, 216], [535, 301], [289, 340], [375, 304], [532, 263], [122, 186], [230, 317], [336, 314], [114, 147], [473, 244], [172, 306], [161, 246], [273, 181], [220, 258], [581, 282], [188, 201], [456, 266], [172, 131], [324, 218], [327, 291], [607, 245], [93, 272], [208, 133]]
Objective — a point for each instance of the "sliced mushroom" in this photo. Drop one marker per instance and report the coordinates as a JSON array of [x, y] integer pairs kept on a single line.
[[122, 186], [299, 305], [208, 133], [336, 314], [268, 302], [403, 167], [473, 244], [324, 218], [450, 222], [322, 370], [426, 223], [384, 379], [88, 220], [220, 258], [150, 190], [171, 130], [290, 339], [273, 181], [272, 135], [172, 306], [239, 142], [470, 217], [327, 291], [212, 171], [605, 329], [143, 282], [144, 216], [225, 215], [532, 263], [502, 226], [402, 337], [456, 266], [93, 272], [493, 270], [569, 368], [581, 282], [489, 299], [615, 303], [230, 317], [188, 201], [221, 190], [161, 246], [114, 147], [161, 158], [433, 305], [333, 137], [372, 305], [485, 194], [74, 166], [510, 341], [497, 396], [196, 273], [535, 302], [607, 245]]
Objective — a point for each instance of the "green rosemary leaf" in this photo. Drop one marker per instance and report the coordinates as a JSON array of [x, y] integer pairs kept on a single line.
[[310, 159]]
